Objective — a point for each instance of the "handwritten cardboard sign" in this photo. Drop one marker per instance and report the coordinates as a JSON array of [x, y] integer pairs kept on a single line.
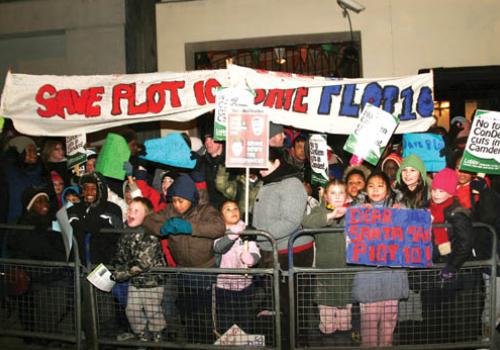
[[388, 237], [372, 134], [428, 147]]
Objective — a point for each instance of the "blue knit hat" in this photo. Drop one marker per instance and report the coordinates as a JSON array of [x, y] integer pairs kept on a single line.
[[184, 187]]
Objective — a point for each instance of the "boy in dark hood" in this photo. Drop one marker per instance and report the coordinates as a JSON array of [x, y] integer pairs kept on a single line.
[[92, 214]]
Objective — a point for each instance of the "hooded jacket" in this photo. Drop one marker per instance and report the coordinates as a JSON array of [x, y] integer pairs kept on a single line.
[[91, 218], [409, 198], [196, 249]]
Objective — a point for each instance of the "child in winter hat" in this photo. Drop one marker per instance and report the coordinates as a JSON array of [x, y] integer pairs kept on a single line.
[[444, 187], [457, 248]]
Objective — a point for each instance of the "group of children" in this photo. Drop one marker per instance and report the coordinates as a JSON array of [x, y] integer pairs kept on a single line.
[[176, 226], [378, 292]]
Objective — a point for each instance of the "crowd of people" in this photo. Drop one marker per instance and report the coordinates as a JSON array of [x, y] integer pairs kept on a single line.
[[179, 217]]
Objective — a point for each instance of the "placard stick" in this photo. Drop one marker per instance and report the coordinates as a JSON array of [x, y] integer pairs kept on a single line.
[[247, 194]]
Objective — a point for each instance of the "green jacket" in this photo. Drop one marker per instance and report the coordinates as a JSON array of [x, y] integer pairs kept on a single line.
[[332, 289]]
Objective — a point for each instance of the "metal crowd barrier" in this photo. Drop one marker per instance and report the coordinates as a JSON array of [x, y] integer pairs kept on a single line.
[[40, 301], [436, 315], [193, 308]]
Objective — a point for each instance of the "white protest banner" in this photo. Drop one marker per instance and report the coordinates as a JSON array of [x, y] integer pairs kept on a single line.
[[333, 105], [482, 151], [71, 105], [318, 155], [226, 98], [247, 139], [75, 150], [370, 137]]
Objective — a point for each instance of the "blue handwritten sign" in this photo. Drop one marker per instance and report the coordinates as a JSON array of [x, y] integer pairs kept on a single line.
[[428, 147], [388, 237], [169, 150]]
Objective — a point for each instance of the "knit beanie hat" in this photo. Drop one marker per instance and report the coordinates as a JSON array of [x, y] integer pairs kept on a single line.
[[394, 157], [54, 176], [31, 194], [413, 161], [446, 180], [20, 143], [184, 187], [275, 129]]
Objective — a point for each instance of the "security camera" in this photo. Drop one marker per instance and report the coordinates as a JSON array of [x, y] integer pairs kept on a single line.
[[351, 5]]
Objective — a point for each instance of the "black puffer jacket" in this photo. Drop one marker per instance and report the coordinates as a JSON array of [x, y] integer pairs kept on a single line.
[[460, 234], [91, 218]]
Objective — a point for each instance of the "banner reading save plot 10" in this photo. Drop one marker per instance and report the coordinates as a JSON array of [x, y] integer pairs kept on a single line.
[[482, 152]]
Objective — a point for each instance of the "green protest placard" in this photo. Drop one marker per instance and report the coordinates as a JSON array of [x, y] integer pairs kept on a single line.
[[2, 122], [114, 153], [482, 151], [318, 155], [374, 129]]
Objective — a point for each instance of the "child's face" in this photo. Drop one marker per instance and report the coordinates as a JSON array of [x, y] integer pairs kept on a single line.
[[230, 213], [73, 198], [135, 214], [390, 168], [410, 177], [355, 183], [89, 192], [335, 195], [376, 189], [439, 196], [57, 153], [41, 206], [58, 186], [91, 165], [299, 150], [181, 205], [463, 176]]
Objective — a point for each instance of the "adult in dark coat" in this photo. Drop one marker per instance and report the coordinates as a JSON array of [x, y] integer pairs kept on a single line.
[[207, 167], [21, 168]]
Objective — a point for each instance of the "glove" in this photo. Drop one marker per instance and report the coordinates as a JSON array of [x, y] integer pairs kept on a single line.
[[175, 226], [478, 184], [247, 258], [446, 274], [237, 228], [134, 190], [129, 169]]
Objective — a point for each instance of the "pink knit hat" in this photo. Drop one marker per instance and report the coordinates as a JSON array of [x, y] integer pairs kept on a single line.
[[446, 180]]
